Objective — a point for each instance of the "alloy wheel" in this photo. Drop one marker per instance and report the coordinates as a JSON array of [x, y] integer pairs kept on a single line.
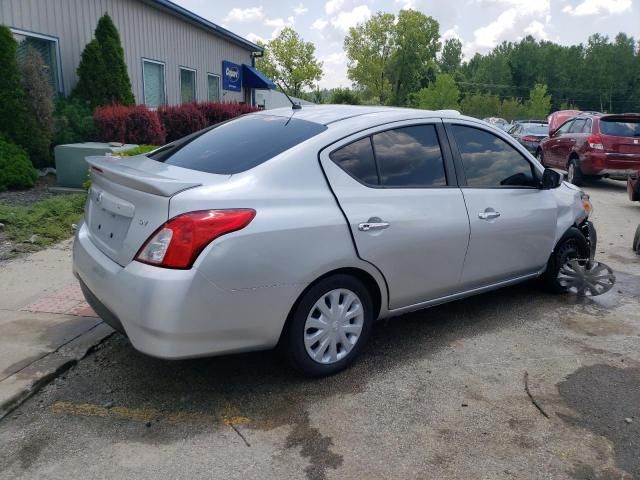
[[571, 172], [333, 326]]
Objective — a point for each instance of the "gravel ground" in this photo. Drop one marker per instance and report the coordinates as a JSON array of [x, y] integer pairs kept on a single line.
[[438, 394]]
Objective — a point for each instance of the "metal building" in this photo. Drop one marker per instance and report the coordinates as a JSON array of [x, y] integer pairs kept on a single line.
[[172, 55]]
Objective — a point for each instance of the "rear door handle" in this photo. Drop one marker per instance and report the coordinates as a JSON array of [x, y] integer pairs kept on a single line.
[[368, 226], [488, 215]]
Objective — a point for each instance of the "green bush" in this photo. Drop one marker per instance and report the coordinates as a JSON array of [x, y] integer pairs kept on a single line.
[[73, 122], [139, 150], [16, 171], [13, 113]]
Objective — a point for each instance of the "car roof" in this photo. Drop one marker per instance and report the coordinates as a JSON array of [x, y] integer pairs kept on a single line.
[[328, 114]]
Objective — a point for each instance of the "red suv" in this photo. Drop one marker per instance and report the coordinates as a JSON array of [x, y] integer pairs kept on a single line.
[[593, 144]]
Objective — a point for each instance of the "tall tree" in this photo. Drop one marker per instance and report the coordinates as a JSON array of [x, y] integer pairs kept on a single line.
[[291, 61], [451, 57], [102, 73], [39, 104], [369, 47], [539, 103], [413, 62], [13, 114], [443, 93]]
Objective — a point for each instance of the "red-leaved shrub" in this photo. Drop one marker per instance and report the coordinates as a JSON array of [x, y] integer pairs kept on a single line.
[[216, 112], [111, 123], [181, 120], [139, 125], [143, 127]]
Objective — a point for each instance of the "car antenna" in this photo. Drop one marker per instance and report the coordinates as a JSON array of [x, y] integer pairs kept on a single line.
[[294, 106]]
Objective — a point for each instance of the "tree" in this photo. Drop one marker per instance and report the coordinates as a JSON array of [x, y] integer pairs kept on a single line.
[[413, 62], [369, 48], [345, 96], [116, 82], [451, 57], [39, 104], [480, 105], [539, 103], [442, 94], [13, 114], [291, 61], [102, 73], [512, 109]]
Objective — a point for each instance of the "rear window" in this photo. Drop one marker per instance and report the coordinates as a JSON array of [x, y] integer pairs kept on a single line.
[[628, 128], [237, 145], [536, 128]]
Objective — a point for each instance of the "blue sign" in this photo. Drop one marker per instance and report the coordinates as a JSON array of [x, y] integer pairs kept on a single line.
[[231, 76]]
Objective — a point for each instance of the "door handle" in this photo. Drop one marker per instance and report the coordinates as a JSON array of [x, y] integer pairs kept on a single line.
[[488, 215], [368, 226]]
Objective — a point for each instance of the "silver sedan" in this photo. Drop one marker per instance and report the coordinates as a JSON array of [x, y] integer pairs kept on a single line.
[[300, 228]]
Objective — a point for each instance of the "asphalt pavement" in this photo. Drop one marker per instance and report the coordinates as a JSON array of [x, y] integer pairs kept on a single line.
[[437, 394]]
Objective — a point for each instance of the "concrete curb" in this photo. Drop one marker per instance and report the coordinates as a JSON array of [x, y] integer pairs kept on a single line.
[[20, 386]]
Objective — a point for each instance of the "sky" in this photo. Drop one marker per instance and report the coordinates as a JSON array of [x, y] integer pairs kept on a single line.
[[479, 24]]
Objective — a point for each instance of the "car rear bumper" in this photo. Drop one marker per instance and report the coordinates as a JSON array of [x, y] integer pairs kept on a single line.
[[176, 314], [613, 165]]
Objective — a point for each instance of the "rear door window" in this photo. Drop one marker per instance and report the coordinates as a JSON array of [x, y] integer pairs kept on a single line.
[[237, 145], [409, 157], [620, 128], [358, 161]]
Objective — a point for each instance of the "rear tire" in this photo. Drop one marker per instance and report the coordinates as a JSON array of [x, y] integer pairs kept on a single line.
[[338, 311], [571, 245], [636, 241], [574, 174]]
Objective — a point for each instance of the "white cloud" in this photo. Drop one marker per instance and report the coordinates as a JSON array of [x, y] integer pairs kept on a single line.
[[406, 4], [335, 58], [278, 24], [536, 29], [451, 33], [332, 6], [274, 22], [514, 13], [334, 69], [597, 7], [319, 24], [300, 9], [345, 20], [244, 14], [252, 37]]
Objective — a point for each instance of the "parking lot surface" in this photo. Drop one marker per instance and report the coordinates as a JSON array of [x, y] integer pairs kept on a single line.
[[437, 394]]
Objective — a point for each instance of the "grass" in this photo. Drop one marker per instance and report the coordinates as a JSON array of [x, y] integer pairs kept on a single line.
[[50, 219]]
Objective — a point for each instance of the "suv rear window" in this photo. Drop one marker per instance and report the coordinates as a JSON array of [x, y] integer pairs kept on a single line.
[[237, 145], [620, 128]]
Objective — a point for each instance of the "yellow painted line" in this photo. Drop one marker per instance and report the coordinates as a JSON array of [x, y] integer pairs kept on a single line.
[[134, 414]]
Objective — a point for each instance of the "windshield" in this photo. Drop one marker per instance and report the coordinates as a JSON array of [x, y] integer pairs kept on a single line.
[[238, 145], [630, 128]]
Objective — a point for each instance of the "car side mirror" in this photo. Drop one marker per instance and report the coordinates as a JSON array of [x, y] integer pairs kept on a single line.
[[551, 179]]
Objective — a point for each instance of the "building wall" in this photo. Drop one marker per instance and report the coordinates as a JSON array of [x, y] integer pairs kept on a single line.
[[146, 31]]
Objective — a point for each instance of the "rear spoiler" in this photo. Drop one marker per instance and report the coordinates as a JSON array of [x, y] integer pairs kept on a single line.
[[112, 168], [621, 117]]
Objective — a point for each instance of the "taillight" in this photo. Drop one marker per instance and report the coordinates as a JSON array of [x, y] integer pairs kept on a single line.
[[595, 142], [178, 242], [530, 138]]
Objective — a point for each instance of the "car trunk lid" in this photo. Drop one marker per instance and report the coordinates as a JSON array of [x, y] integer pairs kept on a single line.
[[129, 199]]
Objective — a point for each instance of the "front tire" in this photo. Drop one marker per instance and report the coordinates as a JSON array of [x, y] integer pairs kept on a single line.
[[574, 174], [329, 326], [636, 241], [571, 245]]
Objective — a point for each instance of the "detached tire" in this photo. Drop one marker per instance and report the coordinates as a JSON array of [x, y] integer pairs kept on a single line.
[[328, 326], [571, 245]]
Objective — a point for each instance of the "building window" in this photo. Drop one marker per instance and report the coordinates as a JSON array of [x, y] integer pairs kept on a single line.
[[48, 49], [213, 87], [187, 85], [153, 83]]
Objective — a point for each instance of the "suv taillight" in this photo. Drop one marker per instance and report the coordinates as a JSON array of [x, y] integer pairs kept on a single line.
[[595, 142], [177, 243]]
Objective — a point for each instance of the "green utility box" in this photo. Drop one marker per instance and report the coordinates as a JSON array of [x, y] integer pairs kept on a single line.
[[72, 169]]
